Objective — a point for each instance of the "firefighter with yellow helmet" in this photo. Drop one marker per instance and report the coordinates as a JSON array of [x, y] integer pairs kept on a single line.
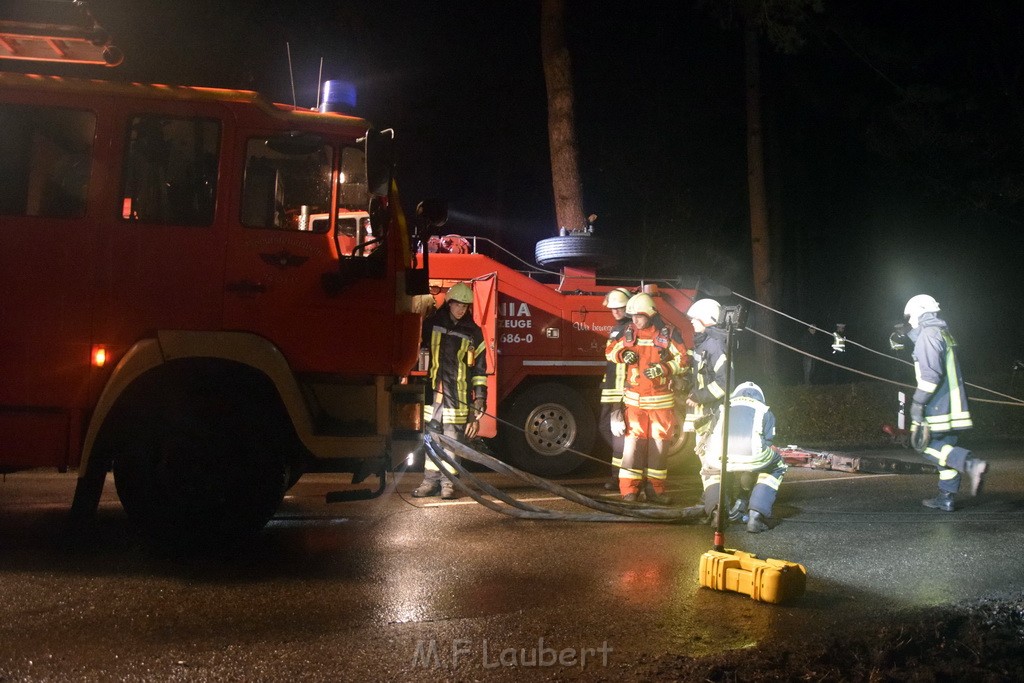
[[709, 364], [456, 380], [651, 357], [938, 409], [612, 425]]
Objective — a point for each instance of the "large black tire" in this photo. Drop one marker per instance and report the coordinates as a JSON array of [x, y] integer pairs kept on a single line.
[[547, 419], [198, 471], [575, 250]]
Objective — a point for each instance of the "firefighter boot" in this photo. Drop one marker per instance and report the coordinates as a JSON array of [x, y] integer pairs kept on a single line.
[[974, 473], [943, 501], [613, 481], [756, 523], [654, 492], [448, 490], [630, 489], [738, 511], [427, 488]]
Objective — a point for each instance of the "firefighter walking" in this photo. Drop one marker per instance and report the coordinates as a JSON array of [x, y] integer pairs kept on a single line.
[[939, 411], [456, 381], [651, 358], [755, 468], [612, 426]]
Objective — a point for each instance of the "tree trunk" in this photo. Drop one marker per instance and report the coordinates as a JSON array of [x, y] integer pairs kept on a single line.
[[760, 244], [565, 175]]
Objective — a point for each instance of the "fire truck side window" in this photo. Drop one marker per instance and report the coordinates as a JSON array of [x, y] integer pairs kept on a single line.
[[287, 183], [170, 170], [45, 160], [352, 191]]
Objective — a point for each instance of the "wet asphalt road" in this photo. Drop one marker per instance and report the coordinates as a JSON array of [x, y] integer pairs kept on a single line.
[[407, 589]]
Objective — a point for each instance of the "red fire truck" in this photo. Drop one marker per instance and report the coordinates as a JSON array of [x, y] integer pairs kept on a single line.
[[546, 330], [192, 283], [210, 294]]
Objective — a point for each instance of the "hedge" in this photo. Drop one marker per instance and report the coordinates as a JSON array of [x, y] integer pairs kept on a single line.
[[852, 415]]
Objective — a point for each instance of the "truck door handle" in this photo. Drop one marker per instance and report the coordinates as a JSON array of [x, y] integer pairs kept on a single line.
[[245, 287]]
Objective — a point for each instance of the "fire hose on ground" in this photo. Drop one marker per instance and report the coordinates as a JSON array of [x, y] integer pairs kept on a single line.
[[435, 444]]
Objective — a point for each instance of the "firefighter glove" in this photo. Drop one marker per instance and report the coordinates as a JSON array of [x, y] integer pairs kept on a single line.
[[654, 371], [629, 357], [920, 436], [917, 413], [617, 423], [479, 407]]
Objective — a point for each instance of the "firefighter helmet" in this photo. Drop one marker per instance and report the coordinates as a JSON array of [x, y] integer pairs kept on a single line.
[[641, 304], [750, 390], [460, 292], [707, 311], [617, 298], [922, 303]]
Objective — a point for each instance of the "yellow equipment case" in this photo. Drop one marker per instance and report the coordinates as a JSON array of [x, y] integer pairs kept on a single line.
[[765, 580]]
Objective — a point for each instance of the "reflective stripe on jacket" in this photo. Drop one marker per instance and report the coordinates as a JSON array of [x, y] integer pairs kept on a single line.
[[449, 342], [615, 373], [709, 366], [940, 382], [751, 431], [654, 346]]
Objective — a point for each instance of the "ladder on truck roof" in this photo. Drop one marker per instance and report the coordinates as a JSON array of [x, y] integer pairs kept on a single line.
[[55, 31]]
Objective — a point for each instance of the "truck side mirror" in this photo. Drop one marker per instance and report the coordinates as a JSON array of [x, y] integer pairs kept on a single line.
[[380, 160]]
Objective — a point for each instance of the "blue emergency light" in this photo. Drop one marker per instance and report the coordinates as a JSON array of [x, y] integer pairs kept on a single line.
[[338, 97]]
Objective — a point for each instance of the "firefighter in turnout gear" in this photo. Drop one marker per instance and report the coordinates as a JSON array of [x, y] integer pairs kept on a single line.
[[612, 426], [456, 380], [651, 357], [708, 368], [939, 411], [755, 468]]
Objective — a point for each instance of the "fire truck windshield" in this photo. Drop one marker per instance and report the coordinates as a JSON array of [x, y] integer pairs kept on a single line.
[[288, 182]]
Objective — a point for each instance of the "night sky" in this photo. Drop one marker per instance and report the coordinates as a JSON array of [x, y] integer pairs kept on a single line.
[[894, 135]]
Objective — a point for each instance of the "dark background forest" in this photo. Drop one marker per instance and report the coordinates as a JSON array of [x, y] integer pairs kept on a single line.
[[894, 132]]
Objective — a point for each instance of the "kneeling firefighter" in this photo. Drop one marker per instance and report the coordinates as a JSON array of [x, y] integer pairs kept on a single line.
[[651, 357], [458, 366], [755, 469]]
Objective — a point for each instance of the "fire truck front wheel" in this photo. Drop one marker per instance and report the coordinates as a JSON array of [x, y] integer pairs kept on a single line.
[[199, 473], [547, 420]]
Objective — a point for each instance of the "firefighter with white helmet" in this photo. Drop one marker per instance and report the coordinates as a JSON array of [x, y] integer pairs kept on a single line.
[[751, 460], [456, 379], [709, 365], [939, 410], [612, 425], [652, 358]]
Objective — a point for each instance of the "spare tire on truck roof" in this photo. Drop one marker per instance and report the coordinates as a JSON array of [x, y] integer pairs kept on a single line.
[[575, 250]]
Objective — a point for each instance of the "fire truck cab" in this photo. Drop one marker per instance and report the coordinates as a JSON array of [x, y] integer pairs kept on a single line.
[[190, 297]]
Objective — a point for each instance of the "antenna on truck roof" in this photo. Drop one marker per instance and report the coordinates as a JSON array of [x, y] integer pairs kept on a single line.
[[319, 82], [291, 73]]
